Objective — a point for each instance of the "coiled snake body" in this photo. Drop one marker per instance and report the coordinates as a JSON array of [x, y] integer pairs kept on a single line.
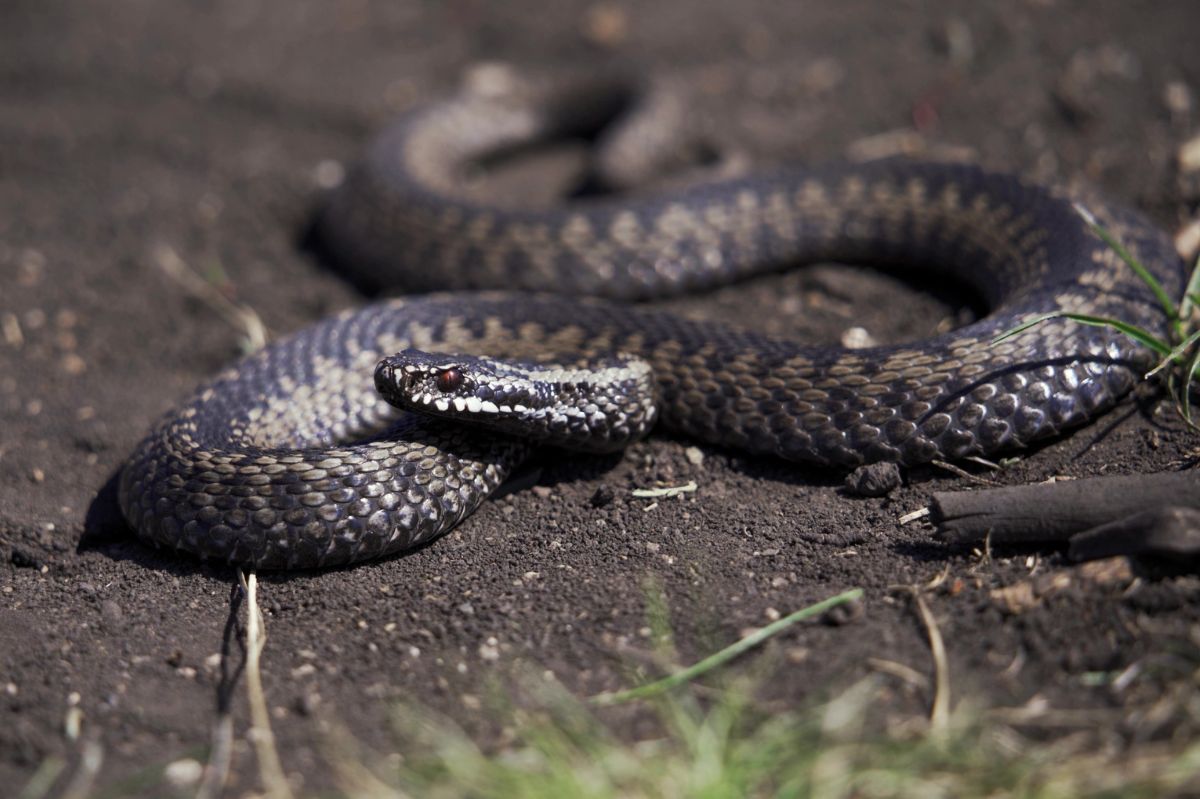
[[290, 459]]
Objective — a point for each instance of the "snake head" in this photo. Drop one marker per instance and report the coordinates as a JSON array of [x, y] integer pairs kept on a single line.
[[600, 404], [461, 386]]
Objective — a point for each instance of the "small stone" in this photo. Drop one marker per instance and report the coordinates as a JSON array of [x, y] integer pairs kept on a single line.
[[304, 670], [183, 773], [694, 456], [857, 338], [329, 174], [542, 492], [111, 612], [73, 365], [873, 480], [307, 704], [843, 614], [1177, 97], [603, 496], [798, 654], [1188, 155]]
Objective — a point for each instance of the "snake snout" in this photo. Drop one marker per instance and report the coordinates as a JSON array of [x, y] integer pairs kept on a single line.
[[390, 381]]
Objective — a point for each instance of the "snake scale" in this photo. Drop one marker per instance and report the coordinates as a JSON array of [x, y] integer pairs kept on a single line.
[[291, 459]]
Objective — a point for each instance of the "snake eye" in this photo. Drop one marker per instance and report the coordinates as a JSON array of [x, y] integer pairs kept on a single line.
[[449, 379]]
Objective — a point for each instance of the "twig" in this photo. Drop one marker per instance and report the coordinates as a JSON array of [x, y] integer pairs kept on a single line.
[[1055, 512], [939, 714], [963, 473], [42, 781], [90, 759], [669, 491], [241, 317], [220, 755], [270, 769]]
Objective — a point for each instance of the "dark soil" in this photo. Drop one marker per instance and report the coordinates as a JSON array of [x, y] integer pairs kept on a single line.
[[143, 129]]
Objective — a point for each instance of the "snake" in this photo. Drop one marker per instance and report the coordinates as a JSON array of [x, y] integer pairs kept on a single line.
[[294, 458]]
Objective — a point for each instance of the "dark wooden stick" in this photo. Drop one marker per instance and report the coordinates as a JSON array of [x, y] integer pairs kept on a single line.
[[1056, 511], [1172, 532]]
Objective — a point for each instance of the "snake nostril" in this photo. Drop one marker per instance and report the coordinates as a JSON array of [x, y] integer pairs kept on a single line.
[[384, 376]]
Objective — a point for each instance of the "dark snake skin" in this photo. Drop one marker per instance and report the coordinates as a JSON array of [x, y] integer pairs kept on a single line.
[[289, 459]]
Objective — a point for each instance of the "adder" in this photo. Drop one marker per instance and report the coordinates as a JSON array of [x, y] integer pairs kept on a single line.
[[295, 456]]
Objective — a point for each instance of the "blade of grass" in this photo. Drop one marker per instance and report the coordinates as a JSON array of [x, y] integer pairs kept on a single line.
[[1191, 294], [1174, 355], [1143, 337], [269, 766], [726, 654], [1168, 305], [1189, 376], [1021, 328]]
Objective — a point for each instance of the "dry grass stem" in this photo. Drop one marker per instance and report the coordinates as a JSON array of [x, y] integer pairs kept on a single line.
[[269, 766]]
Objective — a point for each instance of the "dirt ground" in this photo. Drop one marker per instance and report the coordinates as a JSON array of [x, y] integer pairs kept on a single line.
[[146, 133]]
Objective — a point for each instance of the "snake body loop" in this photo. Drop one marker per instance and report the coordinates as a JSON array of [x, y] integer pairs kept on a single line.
[[290, 459]]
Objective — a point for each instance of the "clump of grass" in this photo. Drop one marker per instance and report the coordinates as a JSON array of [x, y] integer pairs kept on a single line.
[[734, 748], [719, 741], [1178, 353]]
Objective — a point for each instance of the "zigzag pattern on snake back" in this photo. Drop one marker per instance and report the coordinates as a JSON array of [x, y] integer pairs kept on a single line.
[[289, 458]]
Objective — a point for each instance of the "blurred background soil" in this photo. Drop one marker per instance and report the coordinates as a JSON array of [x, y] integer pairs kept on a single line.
[[138, 136]]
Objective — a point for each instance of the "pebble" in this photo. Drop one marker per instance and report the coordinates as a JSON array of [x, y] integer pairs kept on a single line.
[[10, 325], [694, 456], [857, 338], [111, 612], [844, 614], [329, 174], [73, 365], [873, 480], [603, 496], [183, 773], [307, 704]]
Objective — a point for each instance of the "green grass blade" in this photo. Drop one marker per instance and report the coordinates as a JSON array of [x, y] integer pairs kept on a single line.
[[1143, 337], [1168, 305], [1175, 354], [1021, 328], [1191, 295], [726, 654], [1188, 378]]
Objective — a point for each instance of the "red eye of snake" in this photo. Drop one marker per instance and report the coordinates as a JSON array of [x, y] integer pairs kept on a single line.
[[449, 380]]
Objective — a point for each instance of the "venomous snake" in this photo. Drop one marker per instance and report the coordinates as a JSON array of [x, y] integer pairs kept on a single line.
[[291, 459]]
